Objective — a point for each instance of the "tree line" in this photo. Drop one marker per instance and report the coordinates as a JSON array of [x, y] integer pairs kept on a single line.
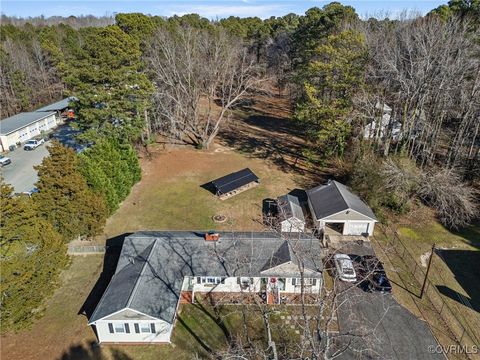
[[397, 98]]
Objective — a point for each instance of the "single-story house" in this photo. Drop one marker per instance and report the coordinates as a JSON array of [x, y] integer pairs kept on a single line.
[[377, 128], [290, 214], [235, 183], [157, 271], [335, 207], [24, 126]]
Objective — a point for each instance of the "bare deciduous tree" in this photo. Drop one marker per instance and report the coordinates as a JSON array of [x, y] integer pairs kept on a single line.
[[456, 203], [199, 75]]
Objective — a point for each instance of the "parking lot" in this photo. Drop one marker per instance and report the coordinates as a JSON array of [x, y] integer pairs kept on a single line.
[[21, 173]]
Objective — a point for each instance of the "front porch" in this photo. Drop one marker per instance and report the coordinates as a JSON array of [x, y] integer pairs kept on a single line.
[[260, 298]]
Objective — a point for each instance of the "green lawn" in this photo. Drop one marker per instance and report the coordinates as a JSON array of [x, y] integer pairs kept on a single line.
[[170, 194]]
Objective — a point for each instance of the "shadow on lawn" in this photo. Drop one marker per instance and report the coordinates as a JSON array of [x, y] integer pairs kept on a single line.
[[91, 351], [465, 265], [110, 260]]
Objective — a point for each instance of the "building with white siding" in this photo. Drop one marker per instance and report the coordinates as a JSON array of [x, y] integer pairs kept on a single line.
[[157, 271], [334, 207], [22, 127]]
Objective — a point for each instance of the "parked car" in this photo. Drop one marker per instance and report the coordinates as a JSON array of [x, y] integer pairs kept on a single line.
[[33, 144], [373, 274], [4, 160], [344, 267], [371, 263], [378, 282], [30, 192]]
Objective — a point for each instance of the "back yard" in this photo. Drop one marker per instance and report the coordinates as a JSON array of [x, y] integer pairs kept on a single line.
[[170, 196]]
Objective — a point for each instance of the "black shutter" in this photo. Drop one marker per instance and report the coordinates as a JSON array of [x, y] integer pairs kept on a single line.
[[137, 328], [238, 280], [152, 327], [199, 280], [110, 328], [127, 328]]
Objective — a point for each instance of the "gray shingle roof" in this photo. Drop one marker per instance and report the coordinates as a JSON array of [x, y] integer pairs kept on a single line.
[[59, 105], [19, 121], [334, 197], [152, 266], [289, 207]]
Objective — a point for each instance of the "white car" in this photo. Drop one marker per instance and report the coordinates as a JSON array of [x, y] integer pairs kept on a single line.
[[4, 161], [344, 267], [33, 144]]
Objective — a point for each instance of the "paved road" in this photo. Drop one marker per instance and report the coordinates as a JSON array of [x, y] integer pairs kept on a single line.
[[20, 173], [387, 329]]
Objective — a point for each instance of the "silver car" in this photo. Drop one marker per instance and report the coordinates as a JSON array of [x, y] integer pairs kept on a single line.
[[344, 267], [4, 160]]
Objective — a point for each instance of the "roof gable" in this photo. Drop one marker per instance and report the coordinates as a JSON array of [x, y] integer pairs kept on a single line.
[[335, 197], [153, 265], [289, 206]]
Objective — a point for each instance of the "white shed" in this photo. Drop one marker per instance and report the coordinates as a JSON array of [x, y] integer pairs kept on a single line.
[[335, 207], [290, 214]]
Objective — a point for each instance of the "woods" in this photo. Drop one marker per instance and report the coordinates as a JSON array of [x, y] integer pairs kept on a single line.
[[399, 98]]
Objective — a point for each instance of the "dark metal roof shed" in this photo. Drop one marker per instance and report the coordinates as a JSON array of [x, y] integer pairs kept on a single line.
[[59, 105], [234, 181]]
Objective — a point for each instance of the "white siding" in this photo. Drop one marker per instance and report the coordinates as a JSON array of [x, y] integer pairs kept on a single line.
[[163, 331], [297, 288], [292, 225], [230, 285], [26, 133], [358, 228]]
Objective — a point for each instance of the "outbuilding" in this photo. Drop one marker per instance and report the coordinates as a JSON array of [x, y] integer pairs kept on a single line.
[[24, 126], [235, 183], [336, 209], [61, 108], [290, 214]]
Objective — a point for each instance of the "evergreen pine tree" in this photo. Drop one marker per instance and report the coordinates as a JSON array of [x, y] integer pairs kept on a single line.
[[32, 255], [64, 196]]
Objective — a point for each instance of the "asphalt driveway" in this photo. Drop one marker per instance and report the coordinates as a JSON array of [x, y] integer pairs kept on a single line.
[[20, 173], [383, 329]]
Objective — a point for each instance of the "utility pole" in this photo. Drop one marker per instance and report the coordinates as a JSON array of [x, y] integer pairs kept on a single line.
[[428, 270]]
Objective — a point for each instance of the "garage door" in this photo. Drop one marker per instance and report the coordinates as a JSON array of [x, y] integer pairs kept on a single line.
[[358, 228]]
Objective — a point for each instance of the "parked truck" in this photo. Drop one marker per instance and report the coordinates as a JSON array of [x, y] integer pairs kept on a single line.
[[33, 144]]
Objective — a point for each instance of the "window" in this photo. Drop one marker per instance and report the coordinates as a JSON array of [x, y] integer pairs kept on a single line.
[[212, 280], [306, 282], [145, 328], [118, 328]]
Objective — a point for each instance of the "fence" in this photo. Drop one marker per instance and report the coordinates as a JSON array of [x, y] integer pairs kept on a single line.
[[86, 249], [452, 320]]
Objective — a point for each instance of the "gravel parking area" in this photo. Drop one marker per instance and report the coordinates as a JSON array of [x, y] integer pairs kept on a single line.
[[20, 173]]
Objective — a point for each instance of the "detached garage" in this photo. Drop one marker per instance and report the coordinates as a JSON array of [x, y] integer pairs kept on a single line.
[[336, 209]]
